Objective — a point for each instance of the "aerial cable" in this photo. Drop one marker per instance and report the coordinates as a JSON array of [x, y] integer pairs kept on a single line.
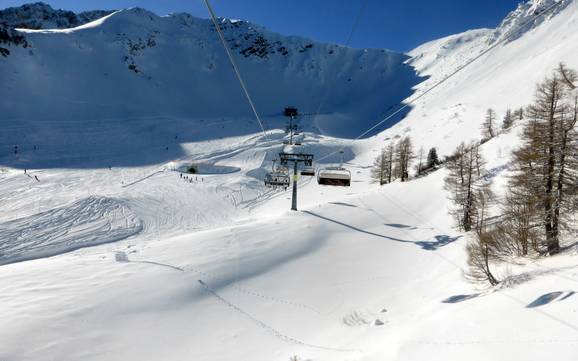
[[347, 42], [235, 67], [468, 63]]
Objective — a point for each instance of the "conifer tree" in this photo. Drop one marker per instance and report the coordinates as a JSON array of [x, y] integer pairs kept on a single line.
[[432, 158], [508, 120]]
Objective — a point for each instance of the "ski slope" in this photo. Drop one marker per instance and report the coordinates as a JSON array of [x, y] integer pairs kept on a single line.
[[113, 255]]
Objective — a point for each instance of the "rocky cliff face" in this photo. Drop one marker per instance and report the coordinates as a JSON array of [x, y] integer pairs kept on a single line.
[[42, 16]]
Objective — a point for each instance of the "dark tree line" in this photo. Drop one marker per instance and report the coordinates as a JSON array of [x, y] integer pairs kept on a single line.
[[395, 160]]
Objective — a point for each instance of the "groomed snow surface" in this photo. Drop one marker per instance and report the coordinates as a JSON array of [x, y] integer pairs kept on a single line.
[[214, 266]]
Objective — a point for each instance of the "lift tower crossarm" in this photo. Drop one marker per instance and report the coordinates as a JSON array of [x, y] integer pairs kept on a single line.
[[296, 158]]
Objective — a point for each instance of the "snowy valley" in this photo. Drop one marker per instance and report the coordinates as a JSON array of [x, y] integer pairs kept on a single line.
[[107, 251]]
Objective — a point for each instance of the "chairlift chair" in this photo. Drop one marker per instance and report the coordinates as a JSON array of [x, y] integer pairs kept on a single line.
[[308, 171], [277, 179], [334, 176]]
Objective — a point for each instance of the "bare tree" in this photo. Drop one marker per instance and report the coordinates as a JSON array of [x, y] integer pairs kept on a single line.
[[489, 125], [546, 164], [420, 161], [378, 171], [403, 157], [468, 189], [382, 169], [518, 114], [480, 253]]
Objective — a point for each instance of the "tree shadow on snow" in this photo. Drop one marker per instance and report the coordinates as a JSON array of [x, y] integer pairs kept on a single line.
[[460, 298], [397, 225], [550, 297], [343, 204], [440, 240], [356, 228]]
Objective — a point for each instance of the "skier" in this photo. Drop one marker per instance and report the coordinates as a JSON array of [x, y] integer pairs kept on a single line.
[[36, 177], [24, 170]]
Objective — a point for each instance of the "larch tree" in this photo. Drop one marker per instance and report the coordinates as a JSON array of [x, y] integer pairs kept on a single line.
[[403, 156], [489, 125], [546, 166], [382, 169], [420, 161], [378, 169], [469, 190]]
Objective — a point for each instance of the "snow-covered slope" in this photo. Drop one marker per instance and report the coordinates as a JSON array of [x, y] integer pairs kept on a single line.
[[504, 78], [214, 267], [134, 64]]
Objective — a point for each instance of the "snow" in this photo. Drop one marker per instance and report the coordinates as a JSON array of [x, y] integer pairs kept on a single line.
[[111, 255]]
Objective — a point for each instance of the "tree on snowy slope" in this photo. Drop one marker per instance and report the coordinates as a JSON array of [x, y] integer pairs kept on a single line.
[[489, 125], [508, 120], [543, 187], [518, 114], [471, 194], [432, 158], [481, 251], [420, 167], [404, 154], [382, 166], [469, 191]]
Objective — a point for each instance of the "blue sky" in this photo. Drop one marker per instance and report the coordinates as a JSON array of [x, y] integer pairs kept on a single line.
[[394, 24]]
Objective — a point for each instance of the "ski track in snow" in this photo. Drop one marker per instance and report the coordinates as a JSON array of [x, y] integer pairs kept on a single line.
[[87, 222], [359, 251]]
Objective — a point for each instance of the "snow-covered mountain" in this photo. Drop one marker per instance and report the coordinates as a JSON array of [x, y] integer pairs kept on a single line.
[[42, 16], [140, 262], [135, 64]]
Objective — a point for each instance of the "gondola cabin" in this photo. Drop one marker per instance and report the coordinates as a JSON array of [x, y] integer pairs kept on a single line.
[[334, 176]]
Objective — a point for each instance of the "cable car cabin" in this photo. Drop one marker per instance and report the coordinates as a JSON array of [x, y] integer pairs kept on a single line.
[[334, 176], [277, 179], [308, 171]]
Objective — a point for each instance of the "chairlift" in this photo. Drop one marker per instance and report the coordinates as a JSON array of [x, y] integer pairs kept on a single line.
[[308, 171], [334, 176], [277, 179]]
